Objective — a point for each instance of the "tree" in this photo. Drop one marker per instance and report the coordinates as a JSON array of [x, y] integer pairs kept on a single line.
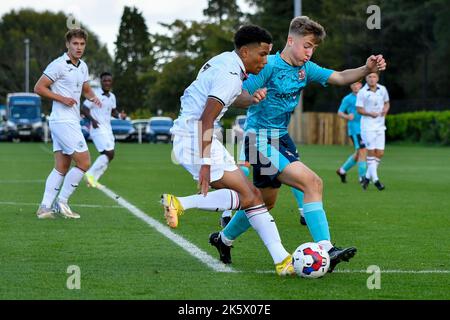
[[133, 60], [46, 33], [220, 10]]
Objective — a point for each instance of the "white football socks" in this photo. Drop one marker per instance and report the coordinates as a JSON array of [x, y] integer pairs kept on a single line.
[[219, 200], [71, 181], [99, 167], [52, 187], [264, 224]]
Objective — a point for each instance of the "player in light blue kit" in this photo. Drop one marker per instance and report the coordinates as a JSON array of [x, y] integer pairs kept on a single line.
[[272, 96], [347, 111]]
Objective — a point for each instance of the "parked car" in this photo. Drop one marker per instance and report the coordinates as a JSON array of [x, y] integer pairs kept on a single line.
[[85, 126], [8, 130], [237, 129], [141, 124], [123, 130], [24, 110], [158, 129]]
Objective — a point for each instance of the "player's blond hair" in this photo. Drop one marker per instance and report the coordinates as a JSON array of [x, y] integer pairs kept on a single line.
[[303, 26]]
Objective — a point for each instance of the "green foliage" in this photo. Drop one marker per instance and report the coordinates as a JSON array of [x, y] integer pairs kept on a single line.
[[188, 47], [141, 113], [134, 60], [422, 126], [413, 38], [220, 10], [46, 33]]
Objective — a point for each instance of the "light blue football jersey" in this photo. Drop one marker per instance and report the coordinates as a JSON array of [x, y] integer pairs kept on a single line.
[[284, 84], [348, 106]]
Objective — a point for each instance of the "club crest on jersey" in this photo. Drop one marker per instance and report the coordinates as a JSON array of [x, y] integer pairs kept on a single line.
[[301, 74]]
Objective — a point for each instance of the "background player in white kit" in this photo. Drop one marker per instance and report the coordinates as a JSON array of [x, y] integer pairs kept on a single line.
[[372, 102], [200, 152], [63, 81], [101, 131]]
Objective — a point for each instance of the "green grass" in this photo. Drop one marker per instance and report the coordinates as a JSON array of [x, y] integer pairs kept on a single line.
[[403, 228]]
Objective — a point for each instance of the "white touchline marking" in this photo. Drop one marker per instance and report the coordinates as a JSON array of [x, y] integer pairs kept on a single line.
[[382, 271], [12, 203], [192, 249], [200, 254], [21, 181]]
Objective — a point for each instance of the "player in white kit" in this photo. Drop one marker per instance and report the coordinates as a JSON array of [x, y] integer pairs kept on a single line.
[[63, 81], [101, 131], [372, 102], [200, 152]]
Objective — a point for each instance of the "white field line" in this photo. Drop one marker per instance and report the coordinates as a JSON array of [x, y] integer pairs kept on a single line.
[[200, 254], [21, 181], [382, 271], [12, 203], [192, 249]]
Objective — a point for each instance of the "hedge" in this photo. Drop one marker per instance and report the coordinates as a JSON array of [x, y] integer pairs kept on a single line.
[[422, 126]]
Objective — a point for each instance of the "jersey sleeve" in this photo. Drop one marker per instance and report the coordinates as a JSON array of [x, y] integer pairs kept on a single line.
[[88, 104], [53, 71], [257, 81], [344, 104], [316, 73], [114, 101], [86, 74], [360, 99], [385, 95], [225, 88]]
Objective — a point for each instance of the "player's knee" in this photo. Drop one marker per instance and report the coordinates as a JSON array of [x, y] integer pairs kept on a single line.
[[270, 205], [251, 198], [110, 155], [315, 184]]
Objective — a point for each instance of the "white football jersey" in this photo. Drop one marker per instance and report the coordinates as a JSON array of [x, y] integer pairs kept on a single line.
[[102, 113], [68, 80], [372, 101], [220, 78]]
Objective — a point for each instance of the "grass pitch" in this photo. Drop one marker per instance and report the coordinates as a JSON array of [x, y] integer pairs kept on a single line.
[[404, 230]]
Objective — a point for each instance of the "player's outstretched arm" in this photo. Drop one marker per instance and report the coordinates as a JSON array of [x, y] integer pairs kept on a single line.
[[349, 76], [89, 94], [245, 100]]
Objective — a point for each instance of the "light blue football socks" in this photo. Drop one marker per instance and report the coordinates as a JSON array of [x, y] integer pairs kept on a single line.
[[316, 220]]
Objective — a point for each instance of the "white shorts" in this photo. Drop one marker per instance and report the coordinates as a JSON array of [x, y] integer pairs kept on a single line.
[[67, 137], [103, 141], [186, 152], [374, 139]]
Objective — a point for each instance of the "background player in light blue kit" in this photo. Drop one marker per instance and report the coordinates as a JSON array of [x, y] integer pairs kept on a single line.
[[347, 110], [270, 150]]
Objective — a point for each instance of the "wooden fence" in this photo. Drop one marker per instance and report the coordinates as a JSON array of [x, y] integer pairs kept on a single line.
[[318, 128]]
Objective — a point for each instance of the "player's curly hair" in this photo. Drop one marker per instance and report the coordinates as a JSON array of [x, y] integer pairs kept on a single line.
[[249, 34], [303, 25], [76, 33]]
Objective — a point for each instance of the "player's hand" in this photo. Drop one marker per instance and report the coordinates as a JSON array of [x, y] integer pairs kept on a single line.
[[376, 63], [374, 114], [94, 123], [259, 95], [351, 116], [70, 102], [204, 178], [96, 101]]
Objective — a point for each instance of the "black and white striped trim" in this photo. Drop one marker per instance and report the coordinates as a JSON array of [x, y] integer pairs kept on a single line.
[[217, 99]]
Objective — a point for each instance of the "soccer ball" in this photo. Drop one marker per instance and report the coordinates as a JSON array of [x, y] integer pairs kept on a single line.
[[311, 260]]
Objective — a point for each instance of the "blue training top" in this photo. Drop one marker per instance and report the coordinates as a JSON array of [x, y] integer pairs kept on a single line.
[[348, 106], [284, 84]]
